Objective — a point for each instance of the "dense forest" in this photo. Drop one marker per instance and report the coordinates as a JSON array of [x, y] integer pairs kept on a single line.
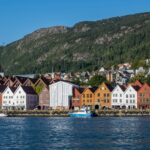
[[85, 46]]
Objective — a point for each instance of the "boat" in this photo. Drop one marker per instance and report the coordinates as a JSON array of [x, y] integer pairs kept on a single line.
[[3, 115], [83, 112]]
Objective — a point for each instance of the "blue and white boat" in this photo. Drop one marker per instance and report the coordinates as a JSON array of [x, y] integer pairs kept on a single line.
[[82, 113]]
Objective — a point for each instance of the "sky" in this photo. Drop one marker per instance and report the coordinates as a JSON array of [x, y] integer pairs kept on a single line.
[[21, 17]]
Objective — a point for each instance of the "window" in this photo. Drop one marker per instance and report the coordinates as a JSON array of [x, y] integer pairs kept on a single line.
[[133, 96], [104, 95], [108, 95], [120, 100], [120, 95], [130, 95], [19, 92], [98, 94], [126, 101], [90, 95], [126, 96], [87, 95]]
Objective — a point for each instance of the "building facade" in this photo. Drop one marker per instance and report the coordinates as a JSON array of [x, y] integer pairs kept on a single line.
[[61, 94]]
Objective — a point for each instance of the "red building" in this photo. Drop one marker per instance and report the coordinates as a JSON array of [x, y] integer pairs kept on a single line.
[[144, 97], [76, 99]]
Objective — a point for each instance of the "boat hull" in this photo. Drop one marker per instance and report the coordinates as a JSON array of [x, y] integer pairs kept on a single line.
[[81, 115], [3, 115]]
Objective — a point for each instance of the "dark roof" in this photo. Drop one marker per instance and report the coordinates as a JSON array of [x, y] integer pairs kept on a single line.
[[136, 87], [2, 88], [81, 89], [33, 80], [13, 89], [1, 82], [28, 90], [46, 81], [122, 87], [21, 79], [109, 86], [93, 89]]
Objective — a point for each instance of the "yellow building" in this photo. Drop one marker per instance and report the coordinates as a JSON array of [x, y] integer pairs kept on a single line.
[[88, 98], [103, 96]]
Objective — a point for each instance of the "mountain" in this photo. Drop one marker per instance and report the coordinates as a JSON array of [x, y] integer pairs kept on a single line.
[[87, 45]]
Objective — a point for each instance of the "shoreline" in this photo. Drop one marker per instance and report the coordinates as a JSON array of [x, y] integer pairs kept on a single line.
[[101, 113]]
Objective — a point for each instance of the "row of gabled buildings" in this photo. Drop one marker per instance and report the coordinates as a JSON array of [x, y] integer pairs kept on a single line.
[[133, 96], [25, 93], [45, 93]]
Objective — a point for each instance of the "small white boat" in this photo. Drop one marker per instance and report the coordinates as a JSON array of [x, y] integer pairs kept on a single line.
[[82, 113], [3, 115]]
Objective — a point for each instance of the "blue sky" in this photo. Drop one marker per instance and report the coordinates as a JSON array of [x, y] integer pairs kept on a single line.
[[20, 17]]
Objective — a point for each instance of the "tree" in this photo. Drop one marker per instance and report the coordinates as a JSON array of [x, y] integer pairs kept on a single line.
[[96, 80], [140, 77]]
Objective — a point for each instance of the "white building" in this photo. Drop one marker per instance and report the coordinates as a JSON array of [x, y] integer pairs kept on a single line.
[[60, 94], [23, 98], [130, 96], [7, 98], [118, 100]]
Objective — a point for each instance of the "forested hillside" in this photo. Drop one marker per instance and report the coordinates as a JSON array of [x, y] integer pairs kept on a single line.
[[85, 46]]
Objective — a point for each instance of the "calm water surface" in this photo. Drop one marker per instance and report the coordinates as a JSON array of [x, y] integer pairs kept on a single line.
[[75, 134]]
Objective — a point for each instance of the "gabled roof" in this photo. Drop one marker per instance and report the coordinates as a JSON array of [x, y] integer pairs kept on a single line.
[[21, 79], [137, 83], [2, 88], [44, 80], [144, 85], [136, 87], [13, 89], [122, 87], [93, 89], [80, 89], [109, 86], [29, 90]]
